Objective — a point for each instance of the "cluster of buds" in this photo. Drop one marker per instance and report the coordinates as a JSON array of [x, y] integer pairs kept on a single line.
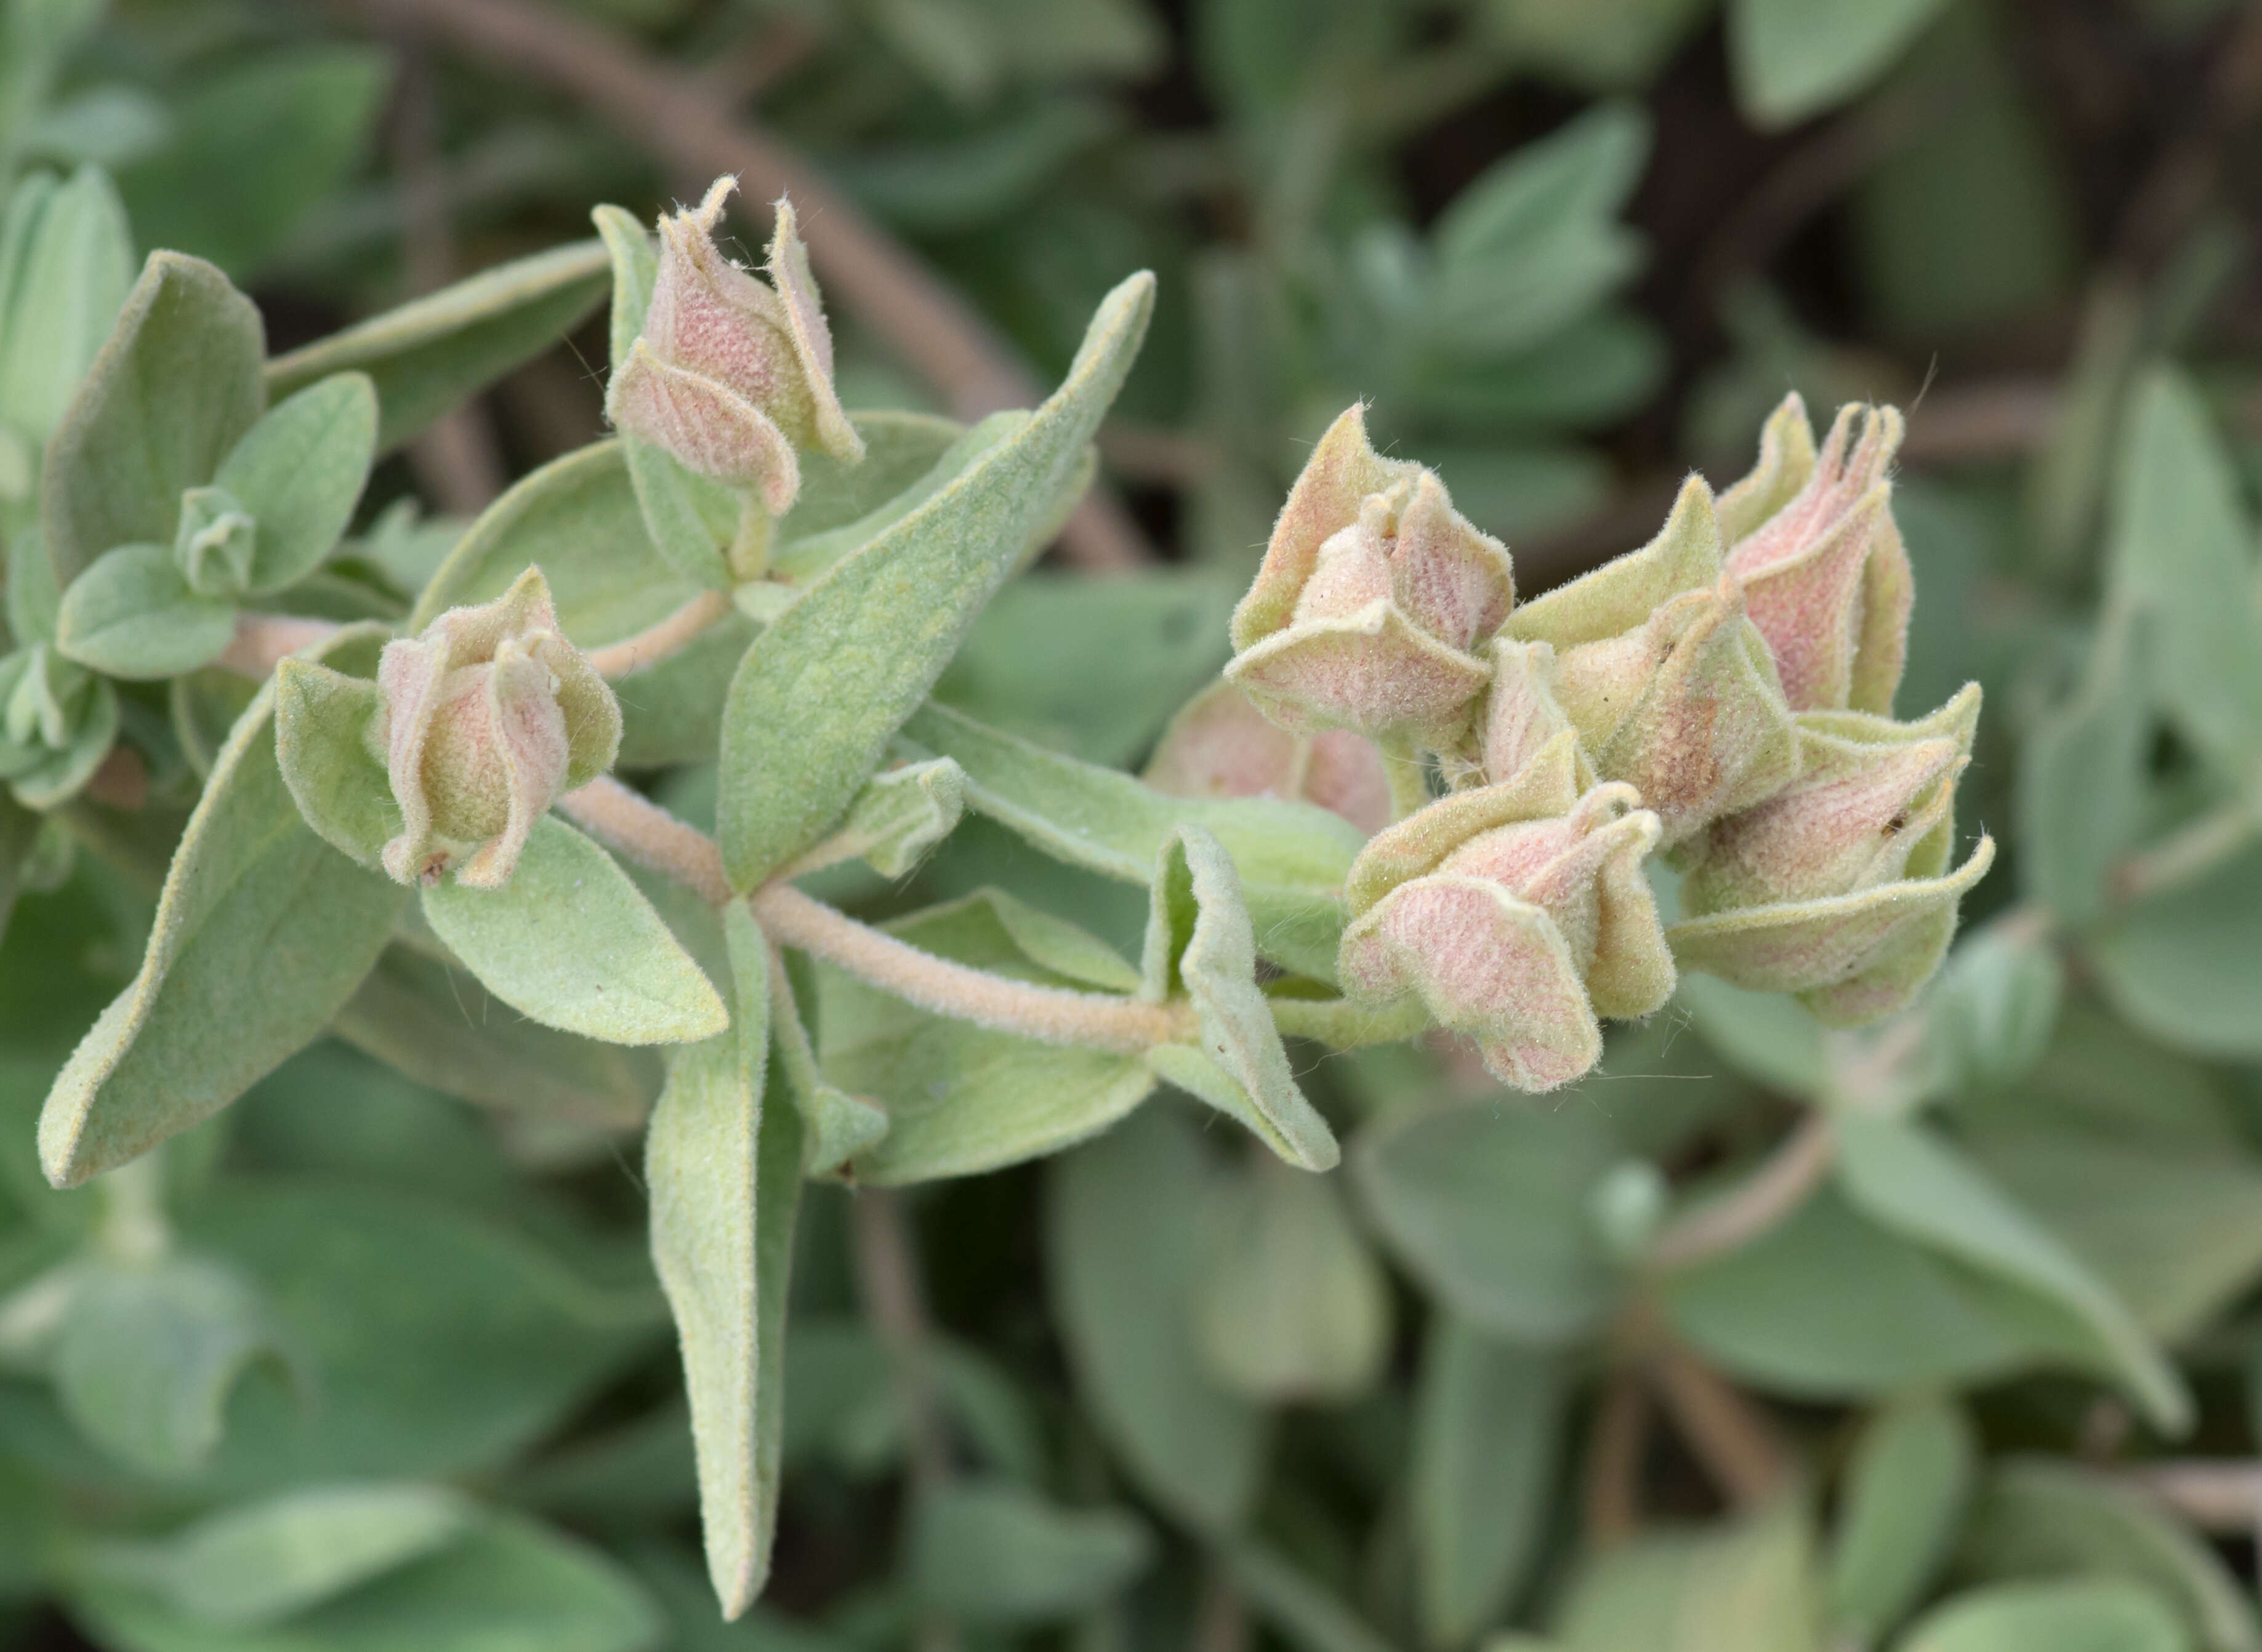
[[730, 376], [483, 722], [1721, 694], [1221, 746]]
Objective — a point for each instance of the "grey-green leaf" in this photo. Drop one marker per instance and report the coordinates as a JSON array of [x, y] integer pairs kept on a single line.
[[132, 616], [262, 933], [164, 399], [822, 691], [300, 470], [1122, 1259], [2181, 964], [1904, 1499], [1743, 1588], [433, 352], [571, 941], [724, 1172], [903, 813], [2073, 1616], [65, 264], [994, 1553], [321, 725], [1795, 58], [2082, 771]]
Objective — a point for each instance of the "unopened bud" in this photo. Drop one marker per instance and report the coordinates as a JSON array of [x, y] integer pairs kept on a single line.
[[1825, 573], [1221, 746], [487, 718], [1374, 598], [215, 542], [730, 376]]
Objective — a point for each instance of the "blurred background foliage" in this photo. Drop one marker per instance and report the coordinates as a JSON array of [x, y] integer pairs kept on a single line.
[[1993, 1369]]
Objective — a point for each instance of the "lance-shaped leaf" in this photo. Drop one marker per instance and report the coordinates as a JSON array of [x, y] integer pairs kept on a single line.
[[572, 942], [65, 264], [836, 1126], [132, 616], [997, 1554], [1291, 858], [2050, 1616], [429, 355], [2082, 773], [822, 691], [299, 472], [1904, 1499], [1201, 944], [164, 400], [723, 1163], [261, 935], [1907, 1179], [960, 1098]]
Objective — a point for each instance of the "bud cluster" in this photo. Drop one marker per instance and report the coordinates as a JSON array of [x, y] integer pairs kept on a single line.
[[1722, 694]]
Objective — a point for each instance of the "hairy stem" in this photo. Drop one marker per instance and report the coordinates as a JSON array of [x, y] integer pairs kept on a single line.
[[1409, 781], [1341, 1025], [671, 635], [1729, 1434], [1764, 1198], [650, 836]]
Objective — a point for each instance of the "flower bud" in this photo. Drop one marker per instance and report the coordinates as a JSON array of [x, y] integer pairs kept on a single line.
[[1521, 716], [1518, 913], [1824, 571], [1837, 889], [1664, 676], [1373, 595], [1220, 745], [214, 544], [730, 376], [485, 719]]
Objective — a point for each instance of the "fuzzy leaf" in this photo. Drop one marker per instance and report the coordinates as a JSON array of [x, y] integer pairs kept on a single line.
[[2081, 774], [836, 1126], [996, 1553], [723, 1170], [261, 935], [300, 470], [570, 942], [2072, 1616], [822, 691], [1904, 1496], [132, 616], [2182, 965], [433, 352], [65, 264], [321, 725], [165, 399], [1290, 857], [903, 813]]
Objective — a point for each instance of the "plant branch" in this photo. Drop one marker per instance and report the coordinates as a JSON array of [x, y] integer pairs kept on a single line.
[[671, 635], [2220, 1497], [2188, 853], [1341, 1025], [1611, 1509], [650, 836], [1731, 1437], [1764, 1198], [677, 117]]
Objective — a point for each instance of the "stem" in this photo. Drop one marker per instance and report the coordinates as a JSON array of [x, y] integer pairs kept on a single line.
[[650, 836], [2221, 1497], [671, 635], [750, 547], [261, 639], [1764, 1198], [1728, 1434], [1409, 781], [2189, 852], [1341, 1024], [1612, 1511]]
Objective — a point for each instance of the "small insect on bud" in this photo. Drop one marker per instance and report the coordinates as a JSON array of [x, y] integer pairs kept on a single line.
[[1518, 913], [1820, 560], [1374, 600], [1220, 745], [730, 376], [485, 720]]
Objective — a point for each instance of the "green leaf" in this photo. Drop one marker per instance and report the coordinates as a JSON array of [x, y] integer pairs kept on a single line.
[[433, 352], [723, 1173], [962, 1099], [167, 396], [1991, 1013], [903, 813], [254, 147], [65, 264], [570, 942], [822, 691], [994, 1553], [836, 1126], [255, 1563], [1904, 1499], [2182, 963], [2182, 552], [436, 1024], [671, 710], [1489, 1429], [807, 551], [2082, 774], [1486, 1202], [1121, 1264], [1749, 1587], [262, 933], [1290, 857], [322, 721], [1200, 943], [1765, 1036], [2041, 1519], [843, 504], [2067, 1616], [299, 472], [1796, 58], [132, 616], [54, 778], [146, 1356], [1292, 1304], [513, 1584], [1306, 1614], [1909, 1180]]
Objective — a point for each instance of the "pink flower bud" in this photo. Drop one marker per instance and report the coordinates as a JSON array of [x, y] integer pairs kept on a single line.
[[730, 375], [1824, 571], [1521, 716], [1373, 595], [1219, 745], [1518, 913], [485, 719]]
